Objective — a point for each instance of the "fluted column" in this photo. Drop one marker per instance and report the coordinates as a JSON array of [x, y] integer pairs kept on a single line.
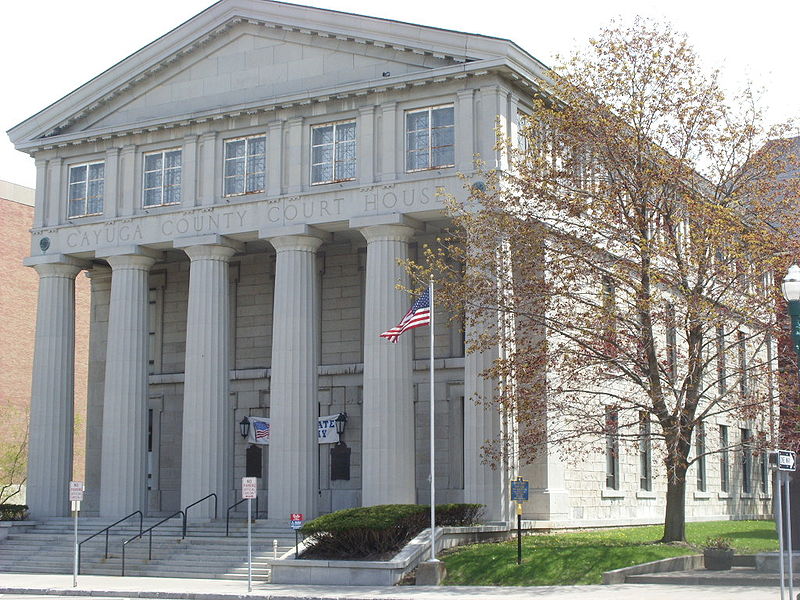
[[293, 387], [124, 454], [482, 484], [207, 418], [388, 434], [51, 417]]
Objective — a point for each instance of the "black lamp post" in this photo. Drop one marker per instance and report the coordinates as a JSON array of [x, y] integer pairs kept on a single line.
[[791, 293], [340, 422], [244, 427], [340, 453]]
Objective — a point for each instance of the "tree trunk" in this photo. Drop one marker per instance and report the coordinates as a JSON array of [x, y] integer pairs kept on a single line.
[[675, 517]]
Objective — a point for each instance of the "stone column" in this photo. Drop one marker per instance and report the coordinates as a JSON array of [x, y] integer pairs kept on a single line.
[[51, 417], [124, 447], [388, 433], [294, 405], [207, 414], [100, 278], [482, 484]]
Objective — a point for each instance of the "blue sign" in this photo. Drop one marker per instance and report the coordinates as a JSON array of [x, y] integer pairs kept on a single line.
[[519, 490], [296, 524]]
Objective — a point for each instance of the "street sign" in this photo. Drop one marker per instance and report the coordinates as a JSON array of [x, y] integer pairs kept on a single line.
[[519, 490], [296, 520], [249, 487], [75, 491], [787, 460]]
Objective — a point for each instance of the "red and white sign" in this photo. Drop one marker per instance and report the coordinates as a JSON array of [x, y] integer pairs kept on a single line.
[[75, 491], [249, 487], [296, 517]]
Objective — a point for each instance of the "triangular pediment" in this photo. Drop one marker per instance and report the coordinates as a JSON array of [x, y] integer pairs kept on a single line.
[[246, 52], [251, 63]]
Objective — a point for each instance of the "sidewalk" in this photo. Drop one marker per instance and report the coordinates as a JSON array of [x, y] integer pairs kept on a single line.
[[218, 589]]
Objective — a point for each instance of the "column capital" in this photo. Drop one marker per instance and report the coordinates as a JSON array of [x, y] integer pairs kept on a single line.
[[64, 270], [130, 250], [295, 237], [387, 233], [131, 261], [301, 243], [394, 219], [209, 252], [56, 259], [228, 247]]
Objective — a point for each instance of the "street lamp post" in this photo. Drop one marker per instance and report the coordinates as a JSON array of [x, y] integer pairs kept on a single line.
[[791, 293]]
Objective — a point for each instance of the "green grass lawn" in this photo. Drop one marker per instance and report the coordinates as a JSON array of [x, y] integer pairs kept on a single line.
[[582, 557]]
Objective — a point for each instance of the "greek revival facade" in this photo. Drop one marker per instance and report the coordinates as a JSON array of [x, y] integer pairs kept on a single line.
[[240, 192]]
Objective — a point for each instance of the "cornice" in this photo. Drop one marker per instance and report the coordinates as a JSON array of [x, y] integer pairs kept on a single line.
[[461, 48], [440, 75]]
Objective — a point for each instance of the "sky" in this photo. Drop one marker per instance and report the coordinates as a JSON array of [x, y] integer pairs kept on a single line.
[[51, 47]]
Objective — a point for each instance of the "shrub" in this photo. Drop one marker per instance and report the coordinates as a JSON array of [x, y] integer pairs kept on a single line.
[[376, 530], [13, 512], [718, 543]]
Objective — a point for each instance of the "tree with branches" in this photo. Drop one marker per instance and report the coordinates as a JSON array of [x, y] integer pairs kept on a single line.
[[13, 452], [630, 246]]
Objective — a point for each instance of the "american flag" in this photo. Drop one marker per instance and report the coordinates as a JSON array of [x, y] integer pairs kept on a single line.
[[418, 315], [261, 429]]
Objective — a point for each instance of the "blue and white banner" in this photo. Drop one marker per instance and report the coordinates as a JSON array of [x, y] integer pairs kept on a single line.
[[260, 430]]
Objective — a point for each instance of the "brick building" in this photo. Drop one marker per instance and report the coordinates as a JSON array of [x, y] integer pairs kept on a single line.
[[18, 307]]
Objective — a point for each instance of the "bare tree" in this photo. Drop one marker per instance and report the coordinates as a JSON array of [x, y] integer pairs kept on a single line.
[[643, 218]]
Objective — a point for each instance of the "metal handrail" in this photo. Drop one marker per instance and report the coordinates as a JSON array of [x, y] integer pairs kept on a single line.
[[186, 509], [228, 514], [149, 531], [106, 530]]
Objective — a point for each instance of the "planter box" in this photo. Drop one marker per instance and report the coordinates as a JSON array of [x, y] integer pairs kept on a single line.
[[287, 570], [718, 559]]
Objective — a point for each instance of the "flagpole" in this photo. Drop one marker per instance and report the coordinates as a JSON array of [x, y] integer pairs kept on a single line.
[[433, 462]]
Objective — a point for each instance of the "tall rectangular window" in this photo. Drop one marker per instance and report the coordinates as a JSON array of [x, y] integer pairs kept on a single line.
[[747, 461], [721, 367], [430, 138], [700, 452], [609, 315], [86, 183], [671, 342], [763, 467], [333, 152], [724, 462], [645, 453], [741, 345], [612, 448], [162, 178], [245, 166]]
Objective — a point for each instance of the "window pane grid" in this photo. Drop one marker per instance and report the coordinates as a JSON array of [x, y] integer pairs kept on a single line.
[[85, 190], [430, 138], [162, 178], [245, 166], [333, 152]]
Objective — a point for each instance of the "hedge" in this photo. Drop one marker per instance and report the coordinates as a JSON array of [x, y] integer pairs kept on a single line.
[[370, 531], [13, 512]]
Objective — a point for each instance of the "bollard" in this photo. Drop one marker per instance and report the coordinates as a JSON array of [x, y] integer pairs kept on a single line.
[[275, 549]]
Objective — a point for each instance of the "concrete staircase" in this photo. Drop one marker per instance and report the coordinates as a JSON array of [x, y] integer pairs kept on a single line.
[[205, 552]]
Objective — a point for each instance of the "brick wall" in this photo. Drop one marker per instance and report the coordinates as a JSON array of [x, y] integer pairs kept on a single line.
[[18, 299]]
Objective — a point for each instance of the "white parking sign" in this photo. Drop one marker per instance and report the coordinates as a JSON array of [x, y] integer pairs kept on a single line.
[[249, 487]]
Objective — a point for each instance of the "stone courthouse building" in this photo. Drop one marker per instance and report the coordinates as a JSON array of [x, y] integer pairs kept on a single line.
[[239, 192]]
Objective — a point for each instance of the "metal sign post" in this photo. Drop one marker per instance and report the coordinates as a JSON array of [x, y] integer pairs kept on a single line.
[[785, 461], [75, 497], [519, 494], [249, 491], [296, 521]]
